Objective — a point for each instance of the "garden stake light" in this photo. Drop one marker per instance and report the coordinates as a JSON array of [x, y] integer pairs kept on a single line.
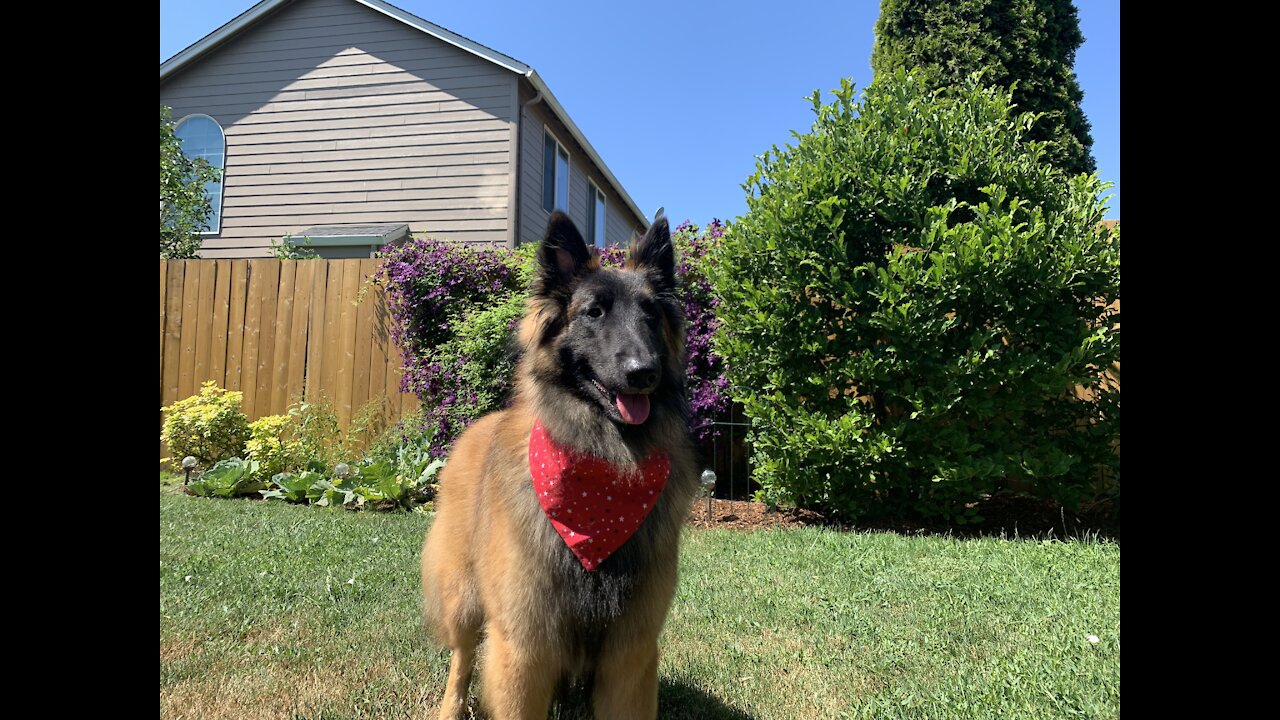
[[188, 464], [342, 470], [708, 484]]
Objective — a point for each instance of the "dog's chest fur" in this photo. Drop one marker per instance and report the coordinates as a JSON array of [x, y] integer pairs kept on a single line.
[[586, 604]]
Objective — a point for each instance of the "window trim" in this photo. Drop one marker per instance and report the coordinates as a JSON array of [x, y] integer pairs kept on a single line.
[[560, 147], [222, 170], [594, 191]]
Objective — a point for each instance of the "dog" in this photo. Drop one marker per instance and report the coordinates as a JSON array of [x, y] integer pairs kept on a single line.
[[557, 528]]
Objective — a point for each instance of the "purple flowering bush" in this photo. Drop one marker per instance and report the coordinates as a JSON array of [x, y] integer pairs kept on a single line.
[[432, 288], [455, 309], [708, 387]]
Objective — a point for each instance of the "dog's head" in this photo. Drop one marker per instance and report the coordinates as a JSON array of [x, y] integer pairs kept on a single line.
[[613, 339]]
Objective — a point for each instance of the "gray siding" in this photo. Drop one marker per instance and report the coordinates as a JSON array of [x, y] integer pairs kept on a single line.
[[619, 223], [334, 113]]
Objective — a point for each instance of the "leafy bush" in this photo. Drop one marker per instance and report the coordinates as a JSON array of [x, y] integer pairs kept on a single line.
[[293, 487], [485, 355], [317, 433], [397, 472], [911, 303], [402, 482], [272, 446], [228, 478], [208, 426]]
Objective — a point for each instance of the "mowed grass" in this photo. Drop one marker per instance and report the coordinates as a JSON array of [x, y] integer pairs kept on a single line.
[[270, 610]]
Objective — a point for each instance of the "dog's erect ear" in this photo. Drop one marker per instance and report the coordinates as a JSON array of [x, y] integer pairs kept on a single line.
[[562, 255], [654, 254]]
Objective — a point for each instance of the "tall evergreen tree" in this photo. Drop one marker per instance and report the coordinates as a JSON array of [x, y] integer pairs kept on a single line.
[[1032, 42]]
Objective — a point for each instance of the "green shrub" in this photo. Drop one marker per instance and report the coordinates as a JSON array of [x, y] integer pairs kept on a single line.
[[317, 433], [208, 426], [293, 487], [368, 423], [272, 446], [228, 478], [485, 356], [910, 303]]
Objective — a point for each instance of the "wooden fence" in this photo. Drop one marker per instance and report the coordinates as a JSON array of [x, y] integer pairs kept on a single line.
[[280, 331]]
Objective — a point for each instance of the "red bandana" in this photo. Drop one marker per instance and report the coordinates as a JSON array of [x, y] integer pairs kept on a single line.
[[587, 500]]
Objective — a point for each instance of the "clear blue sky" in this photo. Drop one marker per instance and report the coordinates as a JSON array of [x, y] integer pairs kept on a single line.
[[678, 97]]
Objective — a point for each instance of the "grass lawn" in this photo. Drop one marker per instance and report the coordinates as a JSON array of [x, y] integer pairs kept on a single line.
[[269, 610]]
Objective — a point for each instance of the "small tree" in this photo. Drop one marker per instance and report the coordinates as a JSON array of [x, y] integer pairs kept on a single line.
[[184, 205], [1031, 42], [913, 302]]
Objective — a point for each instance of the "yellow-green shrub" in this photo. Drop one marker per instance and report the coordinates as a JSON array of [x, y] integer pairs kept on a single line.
[[272, 446], [209, 426]]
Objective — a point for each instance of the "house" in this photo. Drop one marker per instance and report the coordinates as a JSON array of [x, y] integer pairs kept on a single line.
[[348, 120]]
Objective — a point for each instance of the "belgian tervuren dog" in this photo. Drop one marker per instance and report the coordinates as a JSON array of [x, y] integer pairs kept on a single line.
[[558, 521]]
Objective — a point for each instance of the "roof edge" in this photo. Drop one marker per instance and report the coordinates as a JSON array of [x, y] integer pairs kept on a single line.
[[449, 36], [229, 30]]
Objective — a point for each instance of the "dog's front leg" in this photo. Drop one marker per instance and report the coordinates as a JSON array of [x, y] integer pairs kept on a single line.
[[518, 680], [626, 686]]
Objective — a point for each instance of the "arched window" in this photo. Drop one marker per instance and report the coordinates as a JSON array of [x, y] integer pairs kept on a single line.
[[202, 137]]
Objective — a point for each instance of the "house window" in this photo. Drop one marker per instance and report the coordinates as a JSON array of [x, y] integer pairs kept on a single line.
[[202, 137], [555, 174], [595, 214]]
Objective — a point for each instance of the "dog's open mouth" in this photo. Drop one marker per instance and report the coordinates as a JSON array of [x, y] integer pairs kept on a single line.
[[633, 408]]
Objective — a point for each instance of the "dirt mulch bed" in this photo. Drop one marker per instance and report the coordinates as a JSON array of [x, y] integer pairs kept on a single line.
[[1003, 515], [747, 515]]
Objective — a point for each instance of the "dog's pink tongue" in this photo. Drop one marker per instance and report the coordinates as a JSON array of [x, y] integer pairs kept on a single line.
[[633, 408]]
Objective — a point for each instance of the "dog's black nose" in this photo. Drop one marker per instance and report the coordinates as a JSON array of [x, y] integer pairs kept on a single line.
[[641, 377]]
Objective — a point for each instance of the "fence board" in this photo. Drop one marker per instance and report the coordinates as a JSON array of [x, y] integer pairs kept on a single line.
[[190, 327], [316, 333], [205, 333], [252, 336], [221, 309], [163, 286], [239, 301], [284, 327], [266, 334], [347, 342], [378, 347], [332, 338], [304, 279], [172, 332], [360, 394], [164, 318]]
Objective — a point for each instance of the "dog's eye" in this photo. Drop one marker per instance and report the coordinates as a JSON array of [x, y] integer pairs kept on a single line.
[[649, 308], [595, 311]]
